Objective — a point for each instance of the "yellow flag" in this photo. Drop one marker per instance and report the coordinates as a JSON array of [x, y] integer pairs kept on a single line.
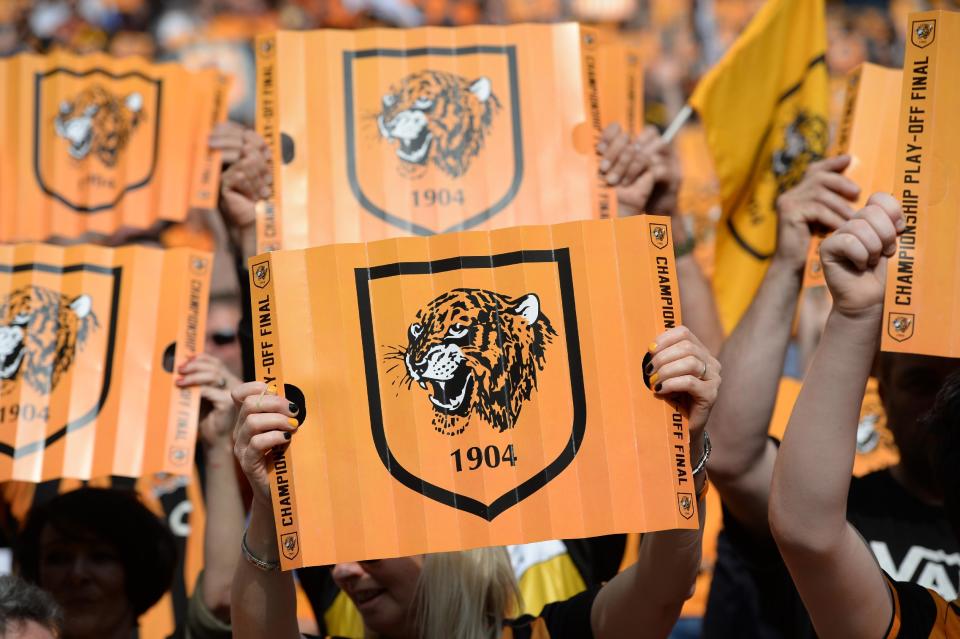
[[764, 107]]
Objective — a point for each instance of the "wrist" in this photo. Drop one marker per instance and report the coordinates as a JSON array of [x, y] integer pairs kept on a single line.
[[857, 318], [219, 450], [788, 265]]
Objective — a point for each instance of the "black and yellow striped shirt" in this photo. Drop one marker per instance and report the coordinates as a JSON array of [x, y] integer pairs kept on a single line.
[[920, 613]]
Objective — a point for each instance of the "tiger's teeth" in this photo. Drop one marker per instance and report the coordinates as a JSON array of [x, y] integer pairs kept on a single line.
[[423, 385]]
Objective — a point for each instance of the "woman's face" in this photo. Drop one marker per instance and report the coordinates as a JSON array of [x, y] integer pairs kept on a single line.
[[383, 592], [87, 579]]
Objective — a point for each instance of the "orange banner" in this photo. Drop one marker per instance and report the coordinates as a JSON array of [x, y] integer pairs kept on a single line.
[[90, 338], [387, 132], [868, 133], [923, 278], [93, 143], [421, 433], [620, 69]]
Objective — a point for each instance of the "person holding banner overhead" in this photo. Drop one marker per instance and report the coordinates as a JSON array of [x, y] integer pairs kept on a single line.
[[897, 510], [844, 589], [473, 593]]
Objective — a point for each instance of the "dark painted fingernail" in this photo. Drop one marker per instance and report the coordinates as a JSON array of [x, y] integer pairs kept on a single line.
[[658, 387], [294, 408], [287, 435], [649, 368]]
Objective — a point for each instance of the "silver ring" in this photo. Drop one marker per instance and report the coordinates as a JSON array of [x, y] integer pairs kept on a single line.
[[222, 383], [704, 373]]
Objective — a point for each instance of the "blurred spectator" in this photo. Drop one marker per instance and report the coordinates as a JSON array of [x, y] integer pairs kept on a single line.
[[104, 557], [26, 612]]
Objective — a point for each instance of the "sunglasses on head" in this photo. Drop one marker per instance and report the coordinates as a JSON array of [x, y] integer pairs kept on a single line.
[[222, 338]]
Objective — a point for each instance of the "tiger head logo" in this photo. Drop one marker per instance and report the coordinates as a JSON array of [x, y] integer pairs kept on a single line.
[[98, 122], [804, 141], [478, 353], [40, 332], [437, 118]]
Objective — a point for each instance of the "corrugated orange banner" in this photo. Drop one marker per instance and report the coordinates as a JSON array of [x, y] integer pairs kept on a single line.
[[621, 75], [89, 341], [89, 144], [391, 132], [868, 133], [923, 278], [472, 389]]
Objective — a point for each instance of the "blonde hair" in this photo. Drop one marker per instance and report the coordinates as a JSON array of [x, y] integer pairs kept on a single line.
[[465, 594]]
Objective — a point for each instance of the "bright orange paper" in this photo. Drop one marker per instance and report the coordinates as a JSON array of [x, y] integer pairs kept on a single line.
[[868, 133], [923, 278], [391, 132], [621, 71], [91, 144], [421, 433], [90, 338]]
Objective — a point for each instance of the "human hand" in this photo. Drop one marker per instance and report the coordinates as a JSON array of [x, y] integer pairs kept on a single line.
[[247, 180], [625, 166], [218, 413], [819, 202], [680, 367], [228, 137], [854, 258], [266, 421]]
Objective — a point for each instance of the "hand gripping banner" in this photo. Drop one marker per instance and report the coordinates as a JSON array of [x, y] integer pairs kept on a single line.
[[393, 132], [923, 277], [471, 389], [868, 134], [90, 339], [91, 144]]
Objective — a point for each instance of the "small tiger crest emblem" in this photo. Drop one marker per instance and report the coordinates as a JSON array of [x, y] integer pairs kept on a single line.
[[805, 141], [900, 326], [437, 118], [477, 353], [40, 333], [98, 123], [923, 33]]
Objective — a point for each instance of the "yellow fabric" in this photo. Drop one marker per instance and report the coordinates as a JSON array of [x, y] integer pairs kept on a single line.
[[556, 579], [343, 619], [764, 109]]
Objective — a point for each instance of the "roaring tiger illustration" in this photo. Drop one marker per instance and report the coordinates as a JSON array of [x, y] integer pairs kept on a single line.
[[480, 353], [439, 118], [40, 332], [97, 121], [804, 141]]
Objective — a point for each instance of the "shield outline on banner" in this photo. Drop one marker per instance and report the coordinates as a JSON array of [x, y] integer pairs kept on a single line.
[[84, 420], [658, 235], [38, 83], [561, 257], [408, 226], [897, 334]]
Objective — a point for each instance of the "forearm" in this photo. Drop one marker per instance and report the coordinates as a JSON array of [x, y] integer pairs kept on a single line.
[[752, 359], [223, 530], [812, 478], [264, 603], [650, 593]]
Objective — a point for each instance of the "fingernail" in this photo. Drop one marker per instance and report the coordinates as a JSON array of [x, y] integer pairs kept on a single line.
[[287, 435], [653, 347], [601, 148], [648, 369], [657, 388], [264, 192], [294, 408], [293, 422], [901, 224], [654, 378], [604, 165], [613, 178]]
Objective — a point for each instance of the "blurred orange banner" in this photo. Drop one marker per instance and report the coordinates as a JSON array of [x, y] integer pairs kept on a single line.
[[388, 132], [923, 278], [472, 389], [620, 68], [89, 341], [868, 133], [91, 144]]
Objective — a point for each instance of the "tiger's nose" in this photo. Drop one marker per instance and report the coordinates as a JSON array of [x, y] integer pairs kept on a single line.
[[420, 367]]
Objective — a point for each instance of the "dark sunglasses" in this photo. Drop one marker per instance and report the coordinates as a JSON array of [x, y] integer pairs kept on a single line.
[[222, 338]]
